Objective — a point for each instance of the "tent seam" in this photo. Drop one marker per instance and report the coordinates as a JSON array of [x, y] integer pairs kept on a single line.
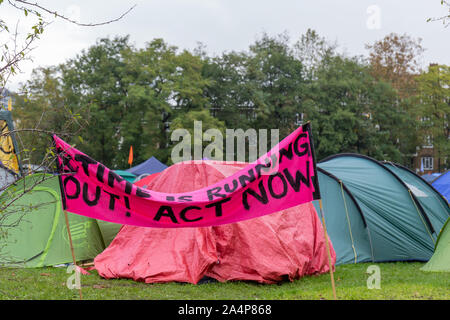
[[55, 223], [348, 221], [379, 163], [421, 218]]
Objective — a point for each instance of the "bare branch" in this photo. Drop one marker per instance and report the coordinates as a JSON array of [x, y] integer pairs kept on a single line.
[[56, 14], [445, 19]]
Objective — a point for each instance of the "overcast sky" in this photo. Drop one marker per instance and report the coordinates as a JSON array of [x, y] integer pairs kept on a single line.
[[225, 25]]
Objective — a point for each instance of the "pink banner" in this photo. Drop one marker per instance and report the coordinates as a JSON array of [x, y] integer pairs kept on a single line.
[[284, 177]]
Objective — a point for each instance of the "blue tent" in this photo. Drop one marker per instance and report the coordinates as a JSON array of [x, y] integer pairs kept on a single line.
[[442, 184], [149, 166], [429, 177]]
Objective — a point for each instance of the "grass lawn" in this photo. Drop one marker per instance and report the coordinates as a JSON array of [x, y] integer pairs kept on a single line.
[[398, 281]]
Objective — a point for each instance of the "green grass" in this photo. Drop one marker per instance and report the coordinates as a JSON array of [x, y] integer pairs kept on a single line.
[[398, 281]]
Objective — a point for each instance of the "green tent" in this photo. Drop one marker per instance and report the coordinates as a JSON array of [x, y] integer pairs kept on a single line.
[[373, 211], [34, 233], [440, 261]]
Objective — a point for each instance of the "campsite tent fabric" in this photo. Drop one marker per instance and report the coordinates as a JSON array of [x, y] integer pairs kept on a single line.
[[430, 177], [40, 237], [440, 261], [149, 166], [126, 175], [346, 225], [6, 178], [399, 228], [434, 205], [108, 231], [145, 181], [8, 143], [442, 184], [283, 245]]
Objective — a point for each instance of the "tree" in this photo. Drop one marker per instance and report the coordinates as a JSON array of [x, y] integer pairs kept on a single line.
[[396, 59], [445, 18], [13, 50], [312, 51], [230, 93], [277, 78], [97, 80], [45, 85], [259, 89], [43, 106], [133, 95], [201, 138], [272, 85], [352, 112], [17, 48], [164, 84], [433, 109]]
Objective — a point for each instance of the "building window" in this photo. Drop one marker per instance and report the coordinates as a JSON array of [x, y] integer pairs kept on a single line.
[[299, 119], [428, 142], [427, 163]]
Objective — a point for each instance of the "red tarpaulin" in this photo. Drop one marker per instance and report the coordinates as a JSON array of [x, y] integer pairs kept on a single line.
[[283, 245]]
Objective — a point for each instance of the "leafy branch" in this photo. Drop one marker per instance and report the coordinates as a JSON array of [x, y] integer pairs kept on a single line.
[[16, 49], [446, 18]]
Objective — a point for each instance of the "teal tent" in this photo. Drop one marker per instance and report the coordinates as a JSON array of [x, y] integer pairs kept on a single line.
[[378, 212], [346, 224], [433, 203], [126, 175]]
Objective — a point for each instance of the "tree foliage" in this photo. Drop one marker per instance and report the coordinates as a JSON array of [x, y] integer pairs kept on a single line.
[[433, 109], [139, 96], [14, 47], [396, 59]]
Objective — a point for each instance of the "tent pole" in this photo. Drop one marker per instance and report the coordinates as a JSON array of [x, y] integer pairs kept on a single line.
[[63, 200], [71, 249], [330, 265]]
